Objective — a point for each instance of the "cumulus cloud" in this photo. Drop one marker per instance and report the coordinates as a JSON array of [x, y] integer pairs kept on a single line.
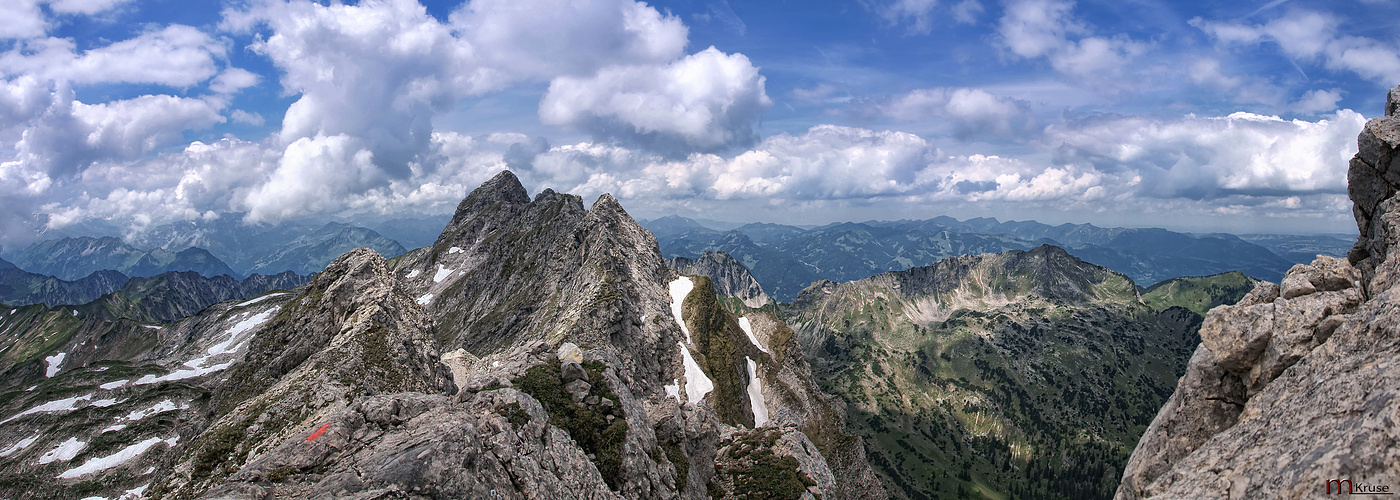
[[371, 76], [582, 36], [972, 111], [1212, 157], [1311, 37], [23, 19], [706, 100], [1047, 29], [177, 56], [62, 136]]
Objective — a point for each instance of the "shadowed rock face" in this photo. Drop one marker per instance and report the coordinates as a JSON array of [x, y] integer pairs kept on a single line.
[[731, 278], [1299, 383]]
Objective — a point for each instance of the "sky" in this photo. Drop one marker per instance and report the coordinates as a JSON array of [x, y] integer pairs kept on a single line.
[[1210, 116]]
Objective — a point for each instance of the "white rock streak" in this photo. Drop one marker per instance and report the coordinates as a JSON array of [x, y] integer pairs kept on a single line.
[[748, 329], [115, 459], [760, 410], [54, 363], [680, 288], [697, 385]]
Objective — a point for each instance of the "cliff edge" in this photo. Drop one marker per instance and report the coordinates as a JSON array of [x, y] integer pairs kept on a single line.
[[1295, 390]]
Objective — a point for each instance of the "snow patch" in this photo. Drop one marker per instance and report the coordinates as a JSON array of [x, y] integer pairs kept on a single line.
[[748, 329], [153, 327], [113, 428], [425, 299], [259, 299], [66, 404], [135, 493], [760, 410], [413, 274], [679, 289], [65, 451], [453, 250], [103, 403], [75, 313], [200, 366], [243, 326], [672, 390], [54, 362], [116, 459], [442, 274], [113, 385], [697, 385], [160, 407], [22, 444]]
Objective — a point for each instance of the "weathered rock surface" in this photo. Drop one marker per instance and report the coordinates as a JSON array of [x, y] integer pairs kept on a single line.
[[1299, 383]]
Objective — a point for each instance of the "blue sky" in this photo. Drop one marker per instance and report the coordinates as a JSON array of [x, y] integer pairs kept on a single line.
[[1232, 116]]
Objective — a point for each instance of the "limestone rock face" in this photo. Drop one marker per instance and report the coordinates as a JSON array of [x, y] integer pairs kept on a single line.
[[1299, 383], [730, 277]]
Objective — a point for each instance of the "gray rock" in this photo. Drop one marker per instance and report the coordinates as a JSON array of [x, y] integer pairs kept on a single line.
[[1313, 368]]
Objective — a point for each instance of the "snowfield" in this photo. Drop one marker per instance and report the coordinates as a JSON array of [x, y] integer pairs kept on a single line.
[[259, 299], [760, 409], [680, 288], [54, 363], [442, 274], [65, 451], [697, 385], [748, 330], [22, 444], [66, 404], [116, 459]]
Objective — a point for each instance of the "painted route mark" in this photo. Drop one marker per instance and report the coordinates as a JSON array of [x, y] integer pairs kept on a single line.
[[318, 432]]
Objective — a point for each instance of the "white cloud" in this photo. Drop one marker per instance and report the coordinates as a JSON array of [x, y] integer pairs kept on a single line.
[[967, 11], [246, 118], [23, 19], [706, 100], [1311, 37], [1211, 157], [372, 76], [1047, 28], [509, 35], [233, 80], [62, 136], [177, 56], [1318, 101], [971, 110], [918, 13]]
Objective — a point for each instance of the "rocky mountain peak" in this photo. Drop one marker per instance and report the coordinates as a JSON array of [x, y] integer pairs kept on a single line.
[[505, 187]]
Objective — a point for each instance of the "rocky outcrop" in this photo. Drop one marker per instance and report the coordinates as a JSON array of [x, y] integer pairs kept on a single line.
[[1299, 383], [730, 278]]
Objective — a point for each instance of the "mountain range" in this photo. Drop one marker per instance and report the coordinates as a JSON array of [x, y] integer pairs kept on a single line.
[[536, 347], [210, 248], [785, 259]]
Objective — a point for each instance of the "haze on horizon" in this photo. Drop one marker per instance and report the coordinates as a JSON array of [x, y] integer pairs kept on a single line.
[[1238, 117]]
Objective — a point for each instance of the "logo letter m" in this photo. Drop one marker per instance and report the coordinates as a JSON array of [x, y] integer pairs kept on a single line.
[[1339, 482]]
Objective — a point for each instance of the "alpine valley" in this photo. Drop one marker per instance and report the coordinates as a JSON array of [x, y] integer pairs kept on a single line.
[[542, 348]]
